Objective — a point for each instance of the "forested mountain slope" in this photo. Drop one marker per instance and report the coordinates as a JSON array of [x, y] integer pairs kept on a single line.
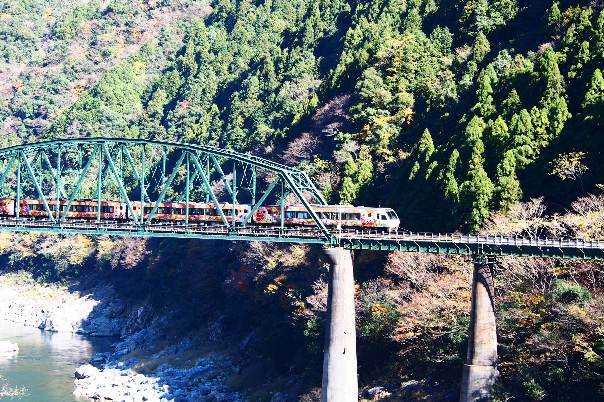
[[452, 112], [465, 107]]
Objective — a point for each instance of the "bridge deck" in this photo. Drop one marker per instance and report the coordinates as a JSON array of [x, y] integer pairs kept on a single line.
[[351, 239]]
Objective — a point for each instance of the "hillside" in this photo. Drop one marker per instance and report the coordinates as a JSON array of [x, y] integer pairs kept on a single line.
[[481, 115]]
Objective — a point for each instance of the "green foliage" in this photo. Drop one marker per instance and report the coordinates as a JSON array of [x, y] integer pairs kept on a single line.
[[569, 292], [593, 102], [554, 17], [357, 172], [476, 191], [484, 93], [378, 315], [508, 186], [481, 47], [424, 151], [313, 332], [109, 106], [450, 186]]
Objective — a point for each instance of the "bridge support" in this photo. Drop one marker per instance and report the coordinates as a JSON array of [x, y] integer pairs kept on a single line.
[[340, 351], [480, 371]]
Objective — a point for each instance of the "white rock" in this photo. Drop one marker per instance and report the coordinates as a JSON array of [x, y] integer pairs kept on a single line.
[[86, 371]]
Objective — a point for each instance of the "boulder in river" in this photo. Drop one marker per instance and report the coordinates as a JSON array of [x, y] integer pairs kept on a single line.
[[8, 348], [85, 371]]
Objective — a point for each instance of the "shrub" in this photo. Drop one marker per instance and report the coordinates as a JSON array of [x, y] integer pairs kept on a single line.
[[378, 315], [569, 292]]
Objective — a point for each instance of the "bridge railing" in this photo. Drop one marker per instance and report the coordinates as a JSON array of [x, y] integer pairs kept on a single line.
[[457, 238]]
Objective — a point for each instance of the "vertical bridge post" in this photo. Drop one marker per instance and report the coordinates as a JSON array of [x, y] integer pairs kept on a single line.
[[480, 371], [340, 352]]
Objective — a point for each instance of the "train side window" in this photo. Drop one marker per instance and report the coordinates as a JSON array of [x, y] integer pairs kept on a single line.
[[303, 215], [290, 214]]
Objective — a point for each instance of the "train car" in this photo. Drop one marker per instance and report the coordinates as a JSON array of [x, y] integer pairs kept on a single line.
[[338, 216], [198, 212], [334, 216], [80, 209]]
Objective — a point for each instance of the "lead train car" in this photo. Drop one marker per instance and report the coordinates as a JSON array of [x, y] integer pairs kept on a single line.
[[334, 216]]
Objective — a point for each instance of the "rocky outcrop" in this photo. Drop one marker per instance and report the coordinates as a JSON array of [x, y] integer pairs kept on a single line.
[[95, 312]]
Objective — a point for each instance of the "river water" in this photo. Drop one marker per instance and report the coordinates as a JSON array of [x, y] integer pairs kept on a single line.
[[43, 369]]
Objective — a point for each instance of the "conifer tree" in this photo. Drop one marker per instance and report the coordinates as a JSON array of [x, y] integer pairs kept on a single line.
[[508, 187], [485, 105], [448, 179], [424, 151], [499, 131], [482, 47], [474, 130], [476, 191], [554, 82], [522, 131], [593, 102], [425, 146], [599, 36], [554, 17], [512, 103]]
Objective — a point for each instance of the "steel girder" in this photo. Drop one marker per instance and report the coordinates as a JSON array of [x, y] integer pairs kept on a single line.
[[152, 172]]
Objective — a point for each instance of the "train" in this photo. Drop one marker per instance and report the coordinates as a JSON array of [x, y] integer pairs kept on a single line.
[[332, 216]]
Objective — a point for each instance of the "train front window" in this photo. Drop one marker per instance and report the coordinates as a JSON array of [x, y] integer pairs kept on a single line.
[[392, 215]]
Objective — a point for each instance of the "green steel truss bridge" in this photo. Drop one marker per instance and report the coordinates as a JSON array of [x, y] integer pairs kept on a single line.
[[152, 172]]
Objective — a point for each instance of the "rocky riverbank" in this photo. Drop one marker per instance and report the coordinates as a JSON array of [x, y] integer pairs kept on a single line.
[[146, 365], [60, 308]]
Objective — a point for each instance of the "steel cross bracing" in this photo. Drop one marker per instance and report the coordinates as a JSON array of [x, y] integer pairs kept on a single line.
[[151, 172]]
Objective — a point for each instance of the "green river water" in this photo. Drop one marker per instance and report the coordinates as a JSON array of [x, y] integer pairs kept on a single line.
[[43, 369]]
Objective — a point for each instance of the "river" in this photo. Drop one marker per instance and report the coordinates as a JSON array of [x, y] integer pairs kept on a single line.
[[43, 369]]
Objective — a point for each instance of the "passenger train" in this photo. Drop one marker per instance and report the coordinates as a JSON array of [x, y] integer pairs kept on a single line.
[[334, 216]]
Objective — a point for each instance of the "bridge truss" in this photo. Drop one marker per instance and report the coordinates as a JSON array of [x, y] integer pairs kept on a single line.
[[154, 172]]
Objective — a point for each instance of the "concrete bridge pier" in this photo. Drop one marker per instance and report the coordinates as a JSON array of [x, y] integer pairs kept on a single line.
[[480, 371], [340, 382]]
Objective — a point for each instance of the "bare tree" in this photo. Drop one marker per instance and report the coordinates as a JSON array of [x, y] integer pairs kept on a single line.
[[301, 148]]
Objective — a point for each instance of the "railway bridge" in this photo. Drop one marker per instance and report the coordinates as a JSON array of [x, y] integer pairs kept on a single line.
[[61, 173]]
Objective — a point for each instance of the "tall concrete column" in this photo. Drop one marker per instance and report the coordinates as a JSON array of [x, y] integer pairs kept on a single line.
[[480, 371], [340, 351]]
